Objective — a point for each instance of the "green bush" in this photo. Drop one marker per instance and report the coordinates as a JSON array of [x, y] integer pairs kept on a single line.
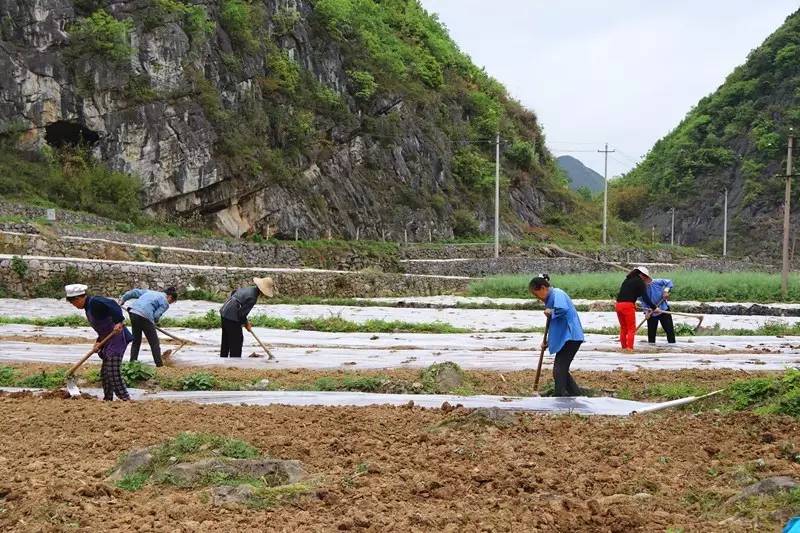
[[7, 376], [363, 83], [44, 380], [240, 19], [198, 381], [19, 266], [522, 154], [134, 371], [470, 166], [100, 36], [285, 19], [464, 224]]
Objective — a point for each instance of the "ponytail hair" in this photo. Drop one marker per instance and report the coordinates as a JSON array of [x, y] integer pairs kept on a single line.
[[542, 280]]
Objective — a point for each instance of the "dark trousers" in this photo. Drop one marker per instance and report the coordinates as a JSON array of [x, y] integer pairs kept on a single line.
[[666, 323], [565, 385], [140, 324], [112, 378], [232, 339]]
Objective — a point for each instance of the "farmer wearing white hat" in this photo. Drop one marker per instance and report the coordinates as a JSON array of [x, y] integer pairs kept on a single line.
[[633, 288], [105, 316], [234, 315]]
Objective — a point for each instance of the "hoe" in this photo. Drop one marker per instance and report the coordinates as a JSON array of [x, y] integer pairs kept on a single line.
[[72, 386]]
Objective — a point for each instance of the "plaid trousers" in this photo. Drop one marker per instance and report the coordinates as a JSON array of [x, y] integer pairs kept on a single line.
[[112, 378]]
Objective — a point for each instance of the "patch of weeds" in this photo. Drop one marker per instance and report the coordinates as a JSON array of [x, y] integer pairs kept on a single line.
[[44, 380], [133, 482], [768, 396], [351, 383], [134, 372], [19, 266], [674, 391], [7, 375], [764, 508], [704, 501], [92, 375], [624, 393], [684, 330], [789, 452], [440, 378], [271, 496], [198, 381]]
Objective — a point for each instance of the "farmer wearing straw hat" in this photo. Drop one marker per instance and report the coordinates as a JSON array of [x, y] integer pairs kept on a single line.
[[234, 315], [633, 288], [105, 316]]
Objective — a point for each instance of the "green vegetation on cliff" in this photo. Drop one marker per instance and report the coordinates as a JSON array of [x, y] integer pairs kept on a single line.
[[734, 138]]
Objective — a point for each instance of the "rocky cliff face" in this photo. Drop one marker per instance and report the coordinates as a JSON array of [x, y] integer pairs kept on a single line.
[[275, 116]]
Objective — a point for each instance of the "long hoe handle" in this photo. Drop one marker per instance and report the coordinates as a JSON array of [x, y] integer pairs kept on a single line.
[[541, 355], [88, 355], [262, 345], [648, 315]]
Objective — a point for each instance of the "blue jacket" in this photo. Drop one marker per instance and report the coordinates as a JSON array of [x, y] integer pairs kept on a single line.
[[149, 304], [564, 322], [656, 291]]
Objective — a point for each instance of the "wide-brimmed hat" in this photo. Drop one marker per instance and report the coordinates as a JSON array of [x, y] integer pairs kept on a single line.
[[76, 289], [642, 270], [266, 286]]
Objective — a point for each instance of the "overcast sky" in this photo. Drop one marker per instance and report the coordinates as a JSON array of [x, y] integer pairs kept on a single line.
[[622, 71]]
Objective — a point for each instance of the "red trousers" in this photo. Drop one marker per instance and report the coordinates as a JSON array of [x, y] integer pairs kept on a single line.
[[626, 313]]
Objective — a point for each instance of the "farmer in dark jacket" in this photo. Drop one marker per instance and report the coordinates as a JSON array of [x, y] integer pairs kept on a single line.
[[105, 316], [234, 315], [633, 288]]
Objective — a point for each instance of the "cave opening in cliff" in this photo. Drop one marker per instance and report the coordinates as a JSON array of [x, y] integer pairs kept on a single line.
[[64, 133]]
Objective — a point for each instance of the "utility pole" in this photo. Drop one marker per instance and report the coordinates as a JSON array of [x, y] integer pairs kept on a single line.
[[497, 196], [725, 226], [672, 229], [605, 193], [786, 218]]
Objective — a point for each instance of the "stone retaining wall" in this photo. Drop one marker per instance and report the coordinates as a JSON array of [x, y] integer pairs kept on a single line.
[[506, 265], [43, 276]]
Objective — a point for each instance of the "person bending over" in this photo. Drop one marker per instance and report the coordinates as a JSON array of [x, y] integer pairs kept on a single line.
[[234, 315], [145, 313], [565, 333]]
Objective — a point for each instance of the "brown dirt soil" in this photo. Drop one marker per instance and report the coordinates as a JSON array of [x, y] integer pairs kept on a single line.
[[44, 339], [385, 469], [635, 384]]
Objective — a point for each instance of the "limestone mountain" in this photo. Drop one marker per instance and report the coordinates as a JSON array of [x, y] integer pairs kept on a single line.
[[580, 175], [734, 138], [276, 116]]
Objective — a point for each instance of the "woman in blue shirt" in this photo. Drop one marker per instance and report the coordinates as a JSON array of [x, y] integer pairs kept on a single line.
[[658, 292], [565, 333]]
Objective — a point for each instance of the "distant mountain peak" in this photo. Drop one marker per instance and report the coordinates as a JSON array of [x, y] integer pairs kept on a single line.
[[579, 174]]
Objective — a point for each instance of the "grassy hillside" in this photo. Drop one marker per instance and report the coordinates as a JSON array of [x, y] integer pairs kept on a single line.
[[734, 138]]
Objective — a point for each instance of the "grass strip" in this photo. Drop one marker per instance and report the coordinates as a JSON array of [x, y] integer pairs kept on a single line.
[[756, 287]]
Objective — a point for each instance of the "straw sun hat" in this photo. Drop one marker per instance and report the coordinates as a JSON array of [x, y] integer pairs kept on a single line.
[[266, 286]]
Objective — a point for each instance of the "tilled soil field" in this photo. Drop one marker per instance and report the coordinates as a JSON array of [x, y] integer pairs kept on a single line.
[[395, 469]]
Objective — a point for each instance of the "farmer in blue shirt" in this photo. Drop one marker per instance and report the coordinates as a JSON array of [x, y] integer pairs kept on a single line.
[[565, 333], [658, 293], [145, 313]]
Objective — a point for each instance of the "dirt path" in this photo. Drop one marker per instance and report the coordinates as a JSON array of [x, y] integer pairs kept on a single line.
[[384, 469]]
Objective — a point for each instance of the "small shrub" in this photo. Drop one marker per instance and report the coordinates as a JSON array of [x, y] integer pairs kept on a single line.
[[284, 20], [134, 372], [198, 381], [133, 482], [363, 83], [7, 375], [19, 266], [100, 36], [465, 224], [45, 380], [239, 20]]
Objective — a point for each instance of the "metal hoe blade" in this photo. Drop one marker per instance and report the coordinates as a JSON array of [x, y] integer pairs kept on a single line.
[[72, 387]]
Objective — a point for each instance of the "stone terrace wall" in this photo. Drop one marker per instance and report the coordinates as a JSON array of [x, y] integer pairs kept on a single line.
[[112, 277], [505, 265]]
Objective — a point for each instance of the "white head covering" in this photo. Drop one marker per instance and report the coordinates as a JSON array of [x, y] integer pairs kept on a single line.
[[76, 289], [644, 271]]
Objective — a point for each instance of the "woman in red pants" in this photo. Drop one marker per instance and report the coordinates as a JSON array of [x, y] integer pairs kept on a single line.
[[633, 288]]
